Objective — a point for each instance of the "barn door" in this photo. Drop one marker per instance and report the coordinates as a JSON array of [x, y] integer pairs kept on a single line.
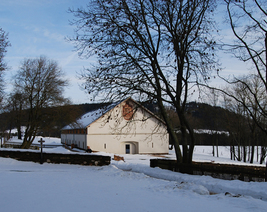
[[127, 149]]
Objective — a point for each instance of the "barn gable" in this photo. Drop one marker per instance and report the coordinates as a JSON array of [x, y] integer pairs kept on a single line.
[[121, 127]]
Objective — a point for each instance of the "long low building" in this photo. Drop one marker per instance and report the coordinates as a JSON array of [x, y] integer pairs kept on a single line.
[[124, 127]]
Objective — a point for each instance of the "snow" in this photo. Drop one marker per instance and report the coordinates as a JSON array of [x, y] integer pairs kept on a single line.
[[123, 186], [89, 117], [211, 132]]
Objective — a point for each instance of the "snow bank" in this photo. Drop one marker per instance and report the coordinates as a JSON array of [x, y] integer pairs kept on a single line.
[[201, 184], [123, 186]]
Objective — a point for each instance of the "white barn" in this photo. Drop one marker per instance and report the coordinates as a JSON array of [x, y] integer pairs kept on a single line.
[[124, 127]]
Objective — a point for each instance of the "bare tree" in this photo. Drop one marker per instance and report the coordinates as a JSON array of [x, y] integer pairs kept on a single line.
[[244, 131], [4, 43], [236, 126], [213, 98], [247, 20], [152, 50], [41, 85], [15, 105]]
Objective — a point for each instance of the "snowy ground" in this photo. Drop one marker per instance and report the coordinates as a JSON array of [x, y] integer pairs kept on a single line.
[[123, 186]]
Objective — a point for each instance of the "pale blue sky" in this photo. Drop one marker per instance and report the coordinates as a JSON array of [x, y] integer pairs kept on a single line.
[[39, 27]]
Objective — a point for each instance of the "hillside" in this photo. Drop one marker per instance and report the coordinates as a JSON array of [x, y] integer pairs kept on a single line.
[[209, 117], [212, 124], [55, 118], [200, 115]]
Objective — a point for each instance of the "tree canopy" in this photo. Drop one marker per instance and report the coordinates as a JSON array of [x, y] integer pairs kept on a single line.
[[247, 20], [4, 43], [40, 84], [148, 49]]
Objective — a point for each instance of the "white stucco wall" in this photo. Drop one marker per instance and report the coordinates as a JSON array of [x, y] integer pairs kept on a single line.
[[78, 139], [116, 144], [111, 133]]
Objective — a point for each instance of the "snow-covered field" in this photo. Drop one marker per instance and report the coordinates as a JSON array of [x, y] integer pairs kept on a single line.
[[123, 186]]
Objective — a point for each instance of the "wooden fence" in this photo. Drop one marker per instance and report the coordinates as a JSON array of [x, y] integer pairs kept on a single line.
[[222, 171], [81, 159]]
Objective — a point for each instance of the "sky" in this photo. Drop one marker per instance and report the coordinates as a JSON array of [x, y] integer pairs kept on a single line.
[[40, 27]]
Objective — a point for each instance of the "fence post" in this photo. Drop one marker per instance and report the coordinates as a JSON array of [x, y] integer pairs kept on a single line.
[[41, 141]]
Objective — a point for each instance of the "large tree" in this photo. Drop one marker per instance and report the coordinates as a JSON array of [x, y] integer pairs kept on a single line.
[[4, 43], [41, 85], [248, 22], [148, 49], [245, 103]]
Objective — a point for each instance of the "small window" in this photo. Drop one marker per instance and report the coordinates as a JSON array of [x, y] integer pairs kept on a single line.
[[105, 146]]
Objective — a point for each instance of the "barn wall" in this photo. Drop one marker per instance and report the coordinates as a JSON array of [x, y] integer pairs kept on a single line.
[[114, 123], [111, 132], [78, 139], [116, 143]]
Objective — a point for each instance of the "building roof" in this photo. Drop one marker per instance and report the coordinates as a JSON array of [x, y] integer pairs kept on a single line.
[[88, 118]]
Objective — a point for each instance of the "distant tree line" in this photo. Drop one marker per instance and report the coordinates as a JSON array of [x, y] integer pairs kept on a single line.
[[226, 126]]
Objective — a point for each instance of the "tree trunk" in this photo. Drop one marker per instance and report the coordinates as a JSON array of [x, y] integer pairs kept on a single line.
[[239, 153], [26, 143], [188, 148], [252, 154], [191, 151], [244, 153], [217, 144], [19, 133], [257, 153], [184, 142], [263, 153], [176, 147], [28, 138], [171, 132]]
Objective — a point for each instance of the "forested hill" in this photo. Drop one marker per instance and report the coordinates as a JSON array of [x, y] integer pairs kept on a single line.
[[201, 116], [52, 121], [205, 116]]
